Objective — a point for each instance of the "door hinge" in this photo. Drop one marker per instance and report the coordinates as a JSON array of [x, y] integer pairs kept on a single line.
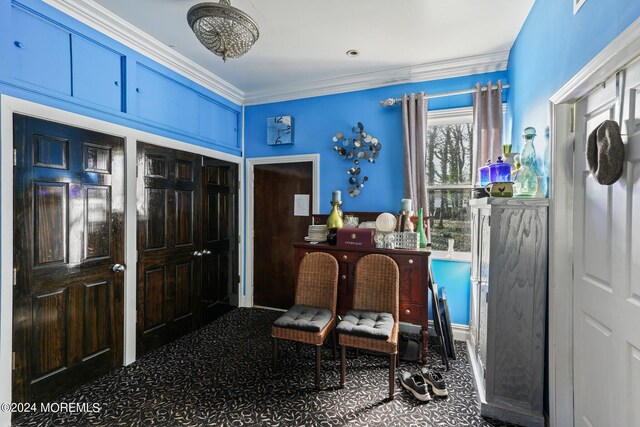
[[238, 278], [15, 157], [13, 360], [15, 276]]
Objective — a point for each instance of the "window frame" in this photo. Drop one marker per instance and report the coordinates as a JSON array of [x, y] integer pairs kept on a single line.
[[451, 116], [454, 116]]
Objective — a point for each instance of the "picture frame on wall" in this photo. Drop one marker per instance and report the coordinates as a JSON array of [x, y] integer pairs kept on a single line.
[[280, 130]]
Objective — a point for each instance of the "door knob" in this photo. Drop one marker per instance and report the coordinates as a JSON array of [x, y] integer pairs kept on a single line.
[[118, 268], [206, 252], [197, 254]]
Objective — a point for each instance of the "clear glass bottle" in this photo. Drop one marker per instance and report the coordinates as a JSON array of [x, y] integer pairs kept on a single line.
[[526, 180]]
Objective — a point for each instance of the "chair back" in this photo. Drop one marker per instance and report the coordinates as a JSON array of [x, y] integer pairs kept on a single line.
[[377, 285], [317, 284]]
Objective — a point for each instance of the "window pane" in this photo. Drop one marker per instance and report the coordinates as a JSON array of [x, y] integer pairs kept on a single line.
[[449, 154], [450, 219]]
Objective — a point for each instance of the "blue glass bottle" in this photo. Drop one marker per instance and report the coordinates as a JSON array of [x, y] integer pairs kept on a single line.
[[526, 181]]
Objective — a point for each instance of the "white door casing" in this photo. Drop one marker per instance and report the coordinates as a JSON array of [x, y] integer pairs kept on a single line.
[[606, 258]]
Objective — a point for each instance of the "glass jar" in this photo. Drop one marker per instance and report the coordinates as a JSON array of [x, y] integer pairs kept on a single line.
[[526, 180], [500, 171]]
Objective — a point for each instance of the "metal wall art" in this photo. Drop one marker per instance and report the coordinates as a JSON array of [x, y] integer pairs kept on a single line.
[[361, 147]]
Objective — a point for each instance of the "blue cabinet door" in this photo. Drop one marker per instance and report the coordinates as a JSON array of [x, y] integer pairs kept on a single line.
[[217, 123], [97, 73], [41, 52], [165, 101]]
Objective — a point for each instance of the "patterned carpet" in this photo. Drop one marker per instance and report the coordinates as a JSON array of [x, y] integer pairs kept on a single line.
[[221, 375]]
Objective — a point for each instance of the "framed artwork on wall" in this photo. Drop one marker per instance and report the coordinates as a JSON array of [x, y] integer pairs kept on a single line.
[[280, 130], [577, 4]]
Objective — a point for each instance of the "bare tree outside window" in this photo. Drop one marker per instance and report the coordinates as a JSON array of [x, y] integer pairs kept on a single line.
[[449, 174]]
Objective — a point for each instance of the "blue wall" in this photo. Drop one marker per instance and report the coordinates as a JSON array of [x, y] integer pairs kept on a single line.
[[52, 59], [318, 119], [455, 278], [553, 45]]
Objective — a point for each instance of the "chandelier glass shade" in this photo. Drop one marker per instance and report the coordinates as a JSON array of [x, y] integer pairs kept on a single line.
[[223, 29]]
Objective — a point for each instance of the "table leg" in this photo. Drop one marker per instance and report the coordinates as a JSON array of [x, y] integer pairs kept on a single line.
[[425, 339]]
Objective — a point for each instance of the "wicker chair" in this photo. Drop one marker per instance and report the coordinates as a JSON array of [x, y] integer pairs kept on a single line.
[[376, 292], [313, 316]]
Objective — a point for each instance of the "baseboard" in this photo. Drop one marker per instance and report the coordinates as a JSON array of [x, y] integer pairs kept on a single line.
[[269, 308], [460, 332]]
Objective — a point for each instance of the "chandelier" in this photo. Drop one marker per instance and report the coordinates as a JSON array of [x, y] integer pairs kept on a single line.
[[223, 29]]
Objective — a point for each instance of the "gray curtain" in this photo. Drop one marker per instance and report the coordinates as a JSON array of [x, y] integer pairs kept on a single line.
[[487, 118], [414, 141]]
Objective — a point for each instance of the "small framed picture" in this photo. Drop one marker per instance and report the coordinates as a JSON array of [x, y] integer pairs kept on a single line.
[[280, 130]]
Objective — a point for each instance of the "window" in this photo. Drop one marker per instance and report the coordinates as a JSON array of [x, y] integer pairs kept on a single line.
[[450, 167]]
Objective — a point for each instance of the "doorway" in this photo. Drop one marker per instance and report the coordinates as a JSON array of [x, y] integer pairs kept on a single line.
[[272, 184], [591, 338], [187, 242], [606, 300], [68, 257]]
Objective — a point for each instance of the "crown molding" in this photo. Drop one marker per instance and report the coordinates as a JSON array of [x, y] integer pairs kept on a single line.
[[110, 24], [101, 19], [410, 74]]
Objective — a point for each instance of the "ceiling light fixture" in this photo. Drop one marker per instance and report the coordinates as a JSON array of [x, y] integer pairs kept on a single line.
[[352, 53], [223, 29]]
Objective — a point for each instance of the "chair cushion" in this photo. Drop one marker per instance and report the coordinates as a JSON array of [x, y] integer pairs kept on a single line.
[[304, 318], [368, 324]]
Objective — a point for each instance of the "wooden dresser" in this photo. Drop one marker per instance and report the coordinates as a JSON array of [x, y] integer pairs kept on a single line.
[[414, 280]]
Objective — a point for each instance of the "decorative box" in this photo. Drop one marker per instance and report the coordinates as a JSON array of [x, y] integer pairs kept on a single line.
[[356, 237], [407, 240]]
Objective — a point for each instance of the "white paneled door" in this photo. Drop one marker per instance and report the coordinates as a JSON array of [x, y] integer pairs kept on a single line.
[[606, 306]]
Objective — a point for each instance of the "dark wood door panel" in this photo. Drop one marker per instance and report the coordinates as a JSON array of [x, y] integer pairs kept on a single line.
[[68, 233], [169, 240], [220, 235], [276, 228]]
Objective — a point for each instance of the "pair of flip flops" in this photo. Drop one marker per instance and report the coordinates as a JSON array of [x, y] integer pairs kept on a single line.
[[416, 384]]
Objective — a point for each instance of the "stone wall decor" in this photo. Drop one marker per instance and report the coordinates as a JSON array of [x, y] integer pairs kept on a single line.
[[362, 147]]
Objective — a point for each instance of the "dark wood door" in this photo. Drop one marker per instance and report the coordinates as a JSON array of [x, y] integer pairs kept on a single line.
[[68, 235], [169, 245], [276, 228], [220, 237]]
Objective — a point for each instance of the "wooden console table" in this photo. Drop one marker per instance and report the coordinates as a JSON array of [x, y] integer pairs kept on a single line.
[[414, 280]]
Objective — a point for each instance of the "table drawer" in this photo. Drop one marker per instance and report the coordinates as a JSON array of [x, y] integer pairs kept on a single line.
[[411, 313]]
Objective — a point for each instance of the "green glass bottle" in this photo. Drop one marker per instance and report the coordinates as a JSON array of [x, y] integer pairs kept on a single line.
[[422, 235]]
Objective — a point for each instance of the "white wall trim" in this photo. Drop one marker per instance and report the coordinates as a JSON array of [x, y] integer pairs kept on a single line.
[[110, 24], [613, 57], [415, 73], [247, 301], [98, 17], [620, 52], [9, 106]]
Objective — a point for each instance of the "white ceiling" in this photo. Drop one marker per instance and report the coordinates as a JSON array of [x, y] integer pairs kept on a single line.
[[304, 42]]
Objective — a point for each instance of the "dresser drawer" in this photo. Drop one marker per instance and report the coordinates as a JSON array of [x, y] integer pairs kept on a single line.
[[411, 286], [411, 313], [344, 256]]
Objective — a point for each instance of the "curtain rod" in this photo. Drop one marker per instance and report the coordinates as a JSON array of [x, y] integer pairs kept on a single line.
[[389, 102]]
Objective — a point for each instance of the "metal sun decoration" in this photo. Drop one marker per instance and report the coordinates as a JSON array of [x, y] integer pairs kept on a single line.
[[362, 147]]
